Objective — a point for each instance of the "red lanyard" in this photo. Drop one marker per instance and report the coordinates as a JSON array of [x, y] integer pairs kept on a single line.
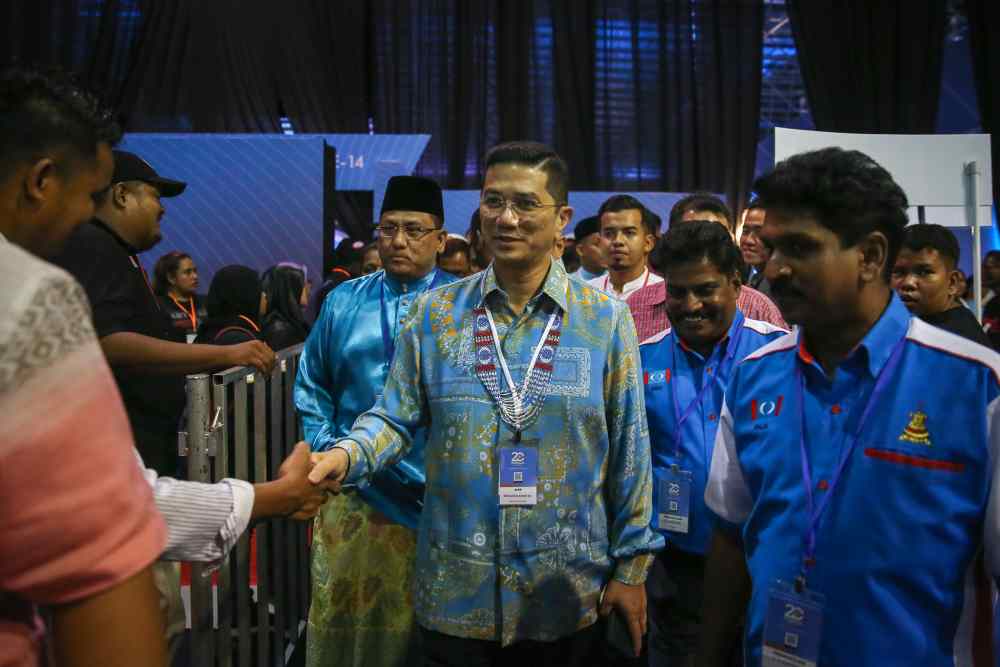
[[192, 314], [145, 279]]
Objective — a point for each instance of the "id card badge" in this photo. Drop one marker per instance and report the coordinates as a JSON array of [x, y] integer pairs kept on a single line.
[[675, 500], [793, 627], [518, 475], [190, 337]]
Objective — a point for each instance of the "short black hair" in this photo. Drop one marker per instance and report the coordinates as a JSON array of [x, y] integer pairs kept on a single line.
[[695, 241], [537, 156], [44, 110], [847, 192], [616, 203], [701, 201], [992, 254], [933, 237]]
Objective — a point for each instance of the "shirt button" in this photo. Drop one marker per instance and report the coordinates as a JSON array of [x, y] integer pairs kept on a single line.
[[708, 370], [823, 486], [835, 409], [711, 418]]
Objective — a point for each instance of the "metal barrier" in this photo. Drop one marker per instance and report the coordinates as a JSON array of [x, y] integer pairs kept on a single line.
[[242, 423]]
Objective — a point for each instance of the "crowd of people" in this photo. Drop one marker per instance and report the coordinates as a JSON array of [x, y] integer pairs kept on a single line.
[[761, 439]]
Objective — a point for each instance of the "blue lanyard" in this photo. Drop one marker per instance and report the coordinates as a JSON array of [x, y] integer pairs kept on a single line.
[[388, 340], [721, 375], [816, 511]]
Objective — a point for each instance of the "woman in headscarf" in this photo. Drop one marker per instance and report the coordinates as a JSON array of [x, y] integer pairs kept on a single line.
[[285, 324], [235, 305]]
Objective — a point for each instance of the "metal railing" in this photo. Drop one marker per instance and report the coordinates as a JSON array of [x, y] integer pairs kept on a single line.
[[242, 423]]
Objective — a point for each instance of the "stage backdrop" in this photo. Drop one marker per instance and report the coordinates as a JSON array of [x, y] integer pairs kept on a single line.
[[257, 199]]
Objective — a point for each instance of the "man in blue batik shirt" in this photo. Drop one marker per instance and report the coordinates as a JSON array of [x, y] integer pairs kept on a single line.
[[858, 454], [369, 537], [537, 509], [685, 371]]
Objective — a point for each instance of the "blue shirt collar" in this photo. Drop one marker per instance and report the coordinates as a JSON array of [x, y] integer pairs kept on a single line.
[[397, 286], [554, 286], [723, 344], [878, 343]]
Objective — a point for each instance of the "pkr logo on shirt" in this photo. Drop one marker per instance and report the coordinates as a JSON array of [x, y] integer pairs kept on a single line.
[[765, 408], [656, 377]]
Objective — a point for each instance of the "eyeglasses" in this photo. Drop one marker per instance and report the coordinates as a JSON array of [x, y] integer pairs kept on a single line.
[[412, 232], [522, 206]]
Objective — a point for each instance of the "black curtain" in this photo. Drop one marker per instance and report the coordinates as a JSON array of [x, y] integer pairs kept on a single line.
[[636, 94], [94, 39], [660, 95], [870, 66], [984, 40]]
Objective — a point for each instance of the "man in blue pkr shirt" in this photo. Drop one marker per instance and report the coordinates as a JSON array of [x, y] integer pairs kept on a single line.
[[685, 371], [858, 454]]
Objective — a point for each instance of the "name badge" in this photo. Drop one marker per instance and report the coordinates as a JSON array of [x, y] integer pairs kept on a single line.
[[190, 337], [792, 628], [518, 475], [675, 500]]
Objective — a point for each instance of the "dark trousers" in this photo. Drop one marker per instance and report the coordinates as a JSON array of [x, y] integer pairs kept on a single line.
[[584, 648], [674, 591]]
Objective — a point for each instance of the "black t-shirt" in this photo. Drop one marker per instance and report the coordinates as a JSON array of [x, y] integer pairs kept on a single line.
[[179, 313], [122, 300], [960, 321]]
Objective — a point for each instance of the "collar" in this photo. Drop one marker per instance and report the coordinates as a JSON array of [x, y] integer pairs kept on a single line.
[[734, 326], [397, 286], [634, 285], [554, 287], [878, 342], [100, 224], [587, 275]]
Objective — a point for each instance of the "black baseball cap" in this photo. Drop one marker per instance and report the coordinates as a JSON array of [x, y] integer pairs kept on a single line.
[[131, 167]]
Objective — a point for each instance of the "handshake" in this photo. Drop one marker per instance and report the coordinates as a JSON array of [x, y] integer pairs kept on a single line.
[[302, 486]]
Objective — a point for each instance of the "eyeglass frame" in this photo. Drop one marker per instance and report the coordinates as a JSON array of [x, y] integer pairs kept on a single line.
[[382, 235], [508, 203]]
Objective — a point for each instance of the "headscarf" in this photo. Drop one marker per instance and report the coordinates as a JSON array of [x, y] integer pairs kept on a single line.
[[235, 291], [283, 286]]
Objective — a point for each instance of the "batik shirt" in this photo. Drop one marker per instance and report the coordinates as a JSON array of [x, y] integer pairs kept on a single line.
[[343, 368], [517, 573]]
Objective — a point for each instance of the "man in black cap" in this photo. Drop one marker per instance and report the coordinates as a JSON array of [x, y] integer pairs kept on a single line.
[[341, 371], [592, 249], [148, 357]]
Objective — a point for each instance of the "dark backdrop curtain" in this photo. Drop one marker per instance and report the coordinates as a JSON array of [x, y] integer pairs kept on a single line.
[[984, 34], [870, 66], [636, 94], [673, 89]]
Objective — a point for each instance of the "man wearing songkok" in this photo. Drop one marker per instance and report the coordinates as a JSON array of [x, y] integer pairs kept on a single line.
[[537, 508], [857, 456], [591, 248], [685, 370], [364, 544]]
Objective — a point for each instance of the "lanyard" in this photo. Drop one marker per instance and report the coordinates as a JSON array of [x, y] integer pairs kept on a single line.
[[816, 511], [644, 282], [388, 340], [192, 315], [519, 394], [721, 375], [145, 278], [250, 322], [518, 406]]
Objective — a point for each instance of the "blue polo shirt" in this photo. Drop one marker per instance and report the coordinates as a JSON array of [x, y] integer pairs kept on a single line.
[[673, 372], [897, 547]]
